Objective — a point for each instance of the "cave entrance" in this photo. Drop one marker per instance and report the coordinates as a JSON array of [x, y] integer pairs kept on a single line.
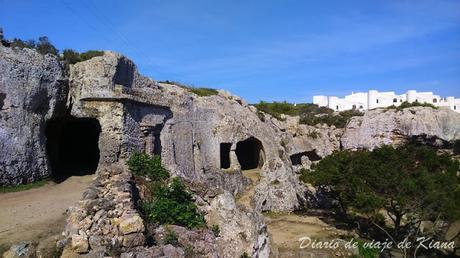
[[296, 159], [225, 155], [72, 146], [250, 153]]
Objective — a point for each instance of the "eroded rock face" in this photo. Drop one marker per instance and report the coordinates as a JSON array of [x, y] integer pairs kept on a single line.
[[195, 137], [189, 131], [241, 230], [381, 126], [32, 90]]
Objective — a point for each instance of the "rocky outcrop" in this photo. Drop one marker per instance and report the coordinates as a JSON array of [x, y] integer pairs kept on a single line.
[[306, 144], [193, 134], [390, 126], [32, 91]]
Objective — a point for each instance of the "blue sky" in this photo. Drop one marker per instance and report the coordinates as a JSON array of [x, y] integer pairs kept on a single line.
[[262, 50]]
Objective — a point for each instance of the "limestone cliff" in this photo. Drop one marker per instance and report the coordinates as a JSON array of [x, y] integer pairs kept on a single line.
[[390, 126], [32, 91]]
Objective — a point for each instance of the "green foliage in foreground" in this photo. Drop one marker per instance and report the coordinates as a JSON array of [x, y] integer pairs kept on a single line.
[[172, 204], [410, 182], [142, 164], [215, 230], [72, 56], [406, 104], [18, 188], [310, 114], [366, 252], [170, 238]]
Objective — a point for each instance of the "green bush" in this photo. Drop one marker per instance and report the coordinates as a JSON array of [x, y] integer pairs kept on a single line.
[[200, 91], [172, 204], [215, 230], [203, 92], [142, 164], [170, 238], [19, 43], [310, 114], [410, 182], [456, 147], [71, 56], [366, 252], [406, 104], [245, 255], [43, 46]]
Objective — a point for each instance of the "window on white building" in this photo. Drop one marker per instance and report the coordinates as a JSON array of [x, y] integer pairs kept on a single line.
[[354, 107], [455, 107], [337, 107], [435, 101], [360, 107], [395, 100], [377, 101]]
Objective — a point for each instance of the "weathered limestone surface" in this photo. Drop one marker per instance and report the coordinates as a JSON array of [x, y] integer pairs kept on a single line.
[[106, 218], [381, 126], [32, 90], [186, 129]]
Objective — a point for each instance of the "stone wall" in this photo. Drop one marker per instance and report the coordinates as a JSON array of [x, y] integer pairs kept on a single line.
[[105, 220]]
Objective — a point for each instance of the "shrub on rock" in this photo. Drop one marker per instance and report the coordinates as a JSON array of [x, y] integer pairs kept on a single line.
[[142, 164]]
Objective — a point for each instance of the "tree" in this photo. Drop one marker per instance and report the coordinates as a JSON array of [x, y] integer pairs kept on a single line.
[[71, 56], [44, 46], [410, 183]]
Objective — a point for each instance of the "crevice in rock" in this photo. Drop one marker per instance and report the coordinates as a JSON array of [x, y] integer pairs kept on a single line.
[[225, 155]]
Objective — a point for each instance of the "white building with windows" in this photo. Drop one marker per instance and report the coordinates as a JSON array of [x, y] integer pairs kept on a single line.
[[374, 99]]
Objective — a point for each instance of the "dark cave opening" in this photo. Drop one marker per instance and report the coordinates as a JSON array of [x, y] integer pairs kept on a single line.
[[225, 154], [72, 146], [250, 153], [296, 159]]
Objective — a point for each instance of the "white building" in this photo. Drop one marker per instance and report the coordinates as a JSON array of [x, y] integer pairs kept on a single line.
[[374, 99]]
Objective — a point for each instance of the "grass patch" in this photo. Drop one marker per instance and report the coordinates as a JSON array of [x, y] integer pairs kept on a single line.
[[203, 92], [200, 91], [18, 188]]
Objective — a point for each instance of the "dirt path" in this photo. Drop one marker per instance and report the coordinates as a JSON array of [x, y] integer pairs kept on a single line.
[[38, 213], [286, 229]]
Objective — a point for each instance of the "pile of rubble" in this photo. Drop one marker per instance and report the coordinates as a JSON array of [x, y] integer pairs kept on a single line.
[[106, 219]]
